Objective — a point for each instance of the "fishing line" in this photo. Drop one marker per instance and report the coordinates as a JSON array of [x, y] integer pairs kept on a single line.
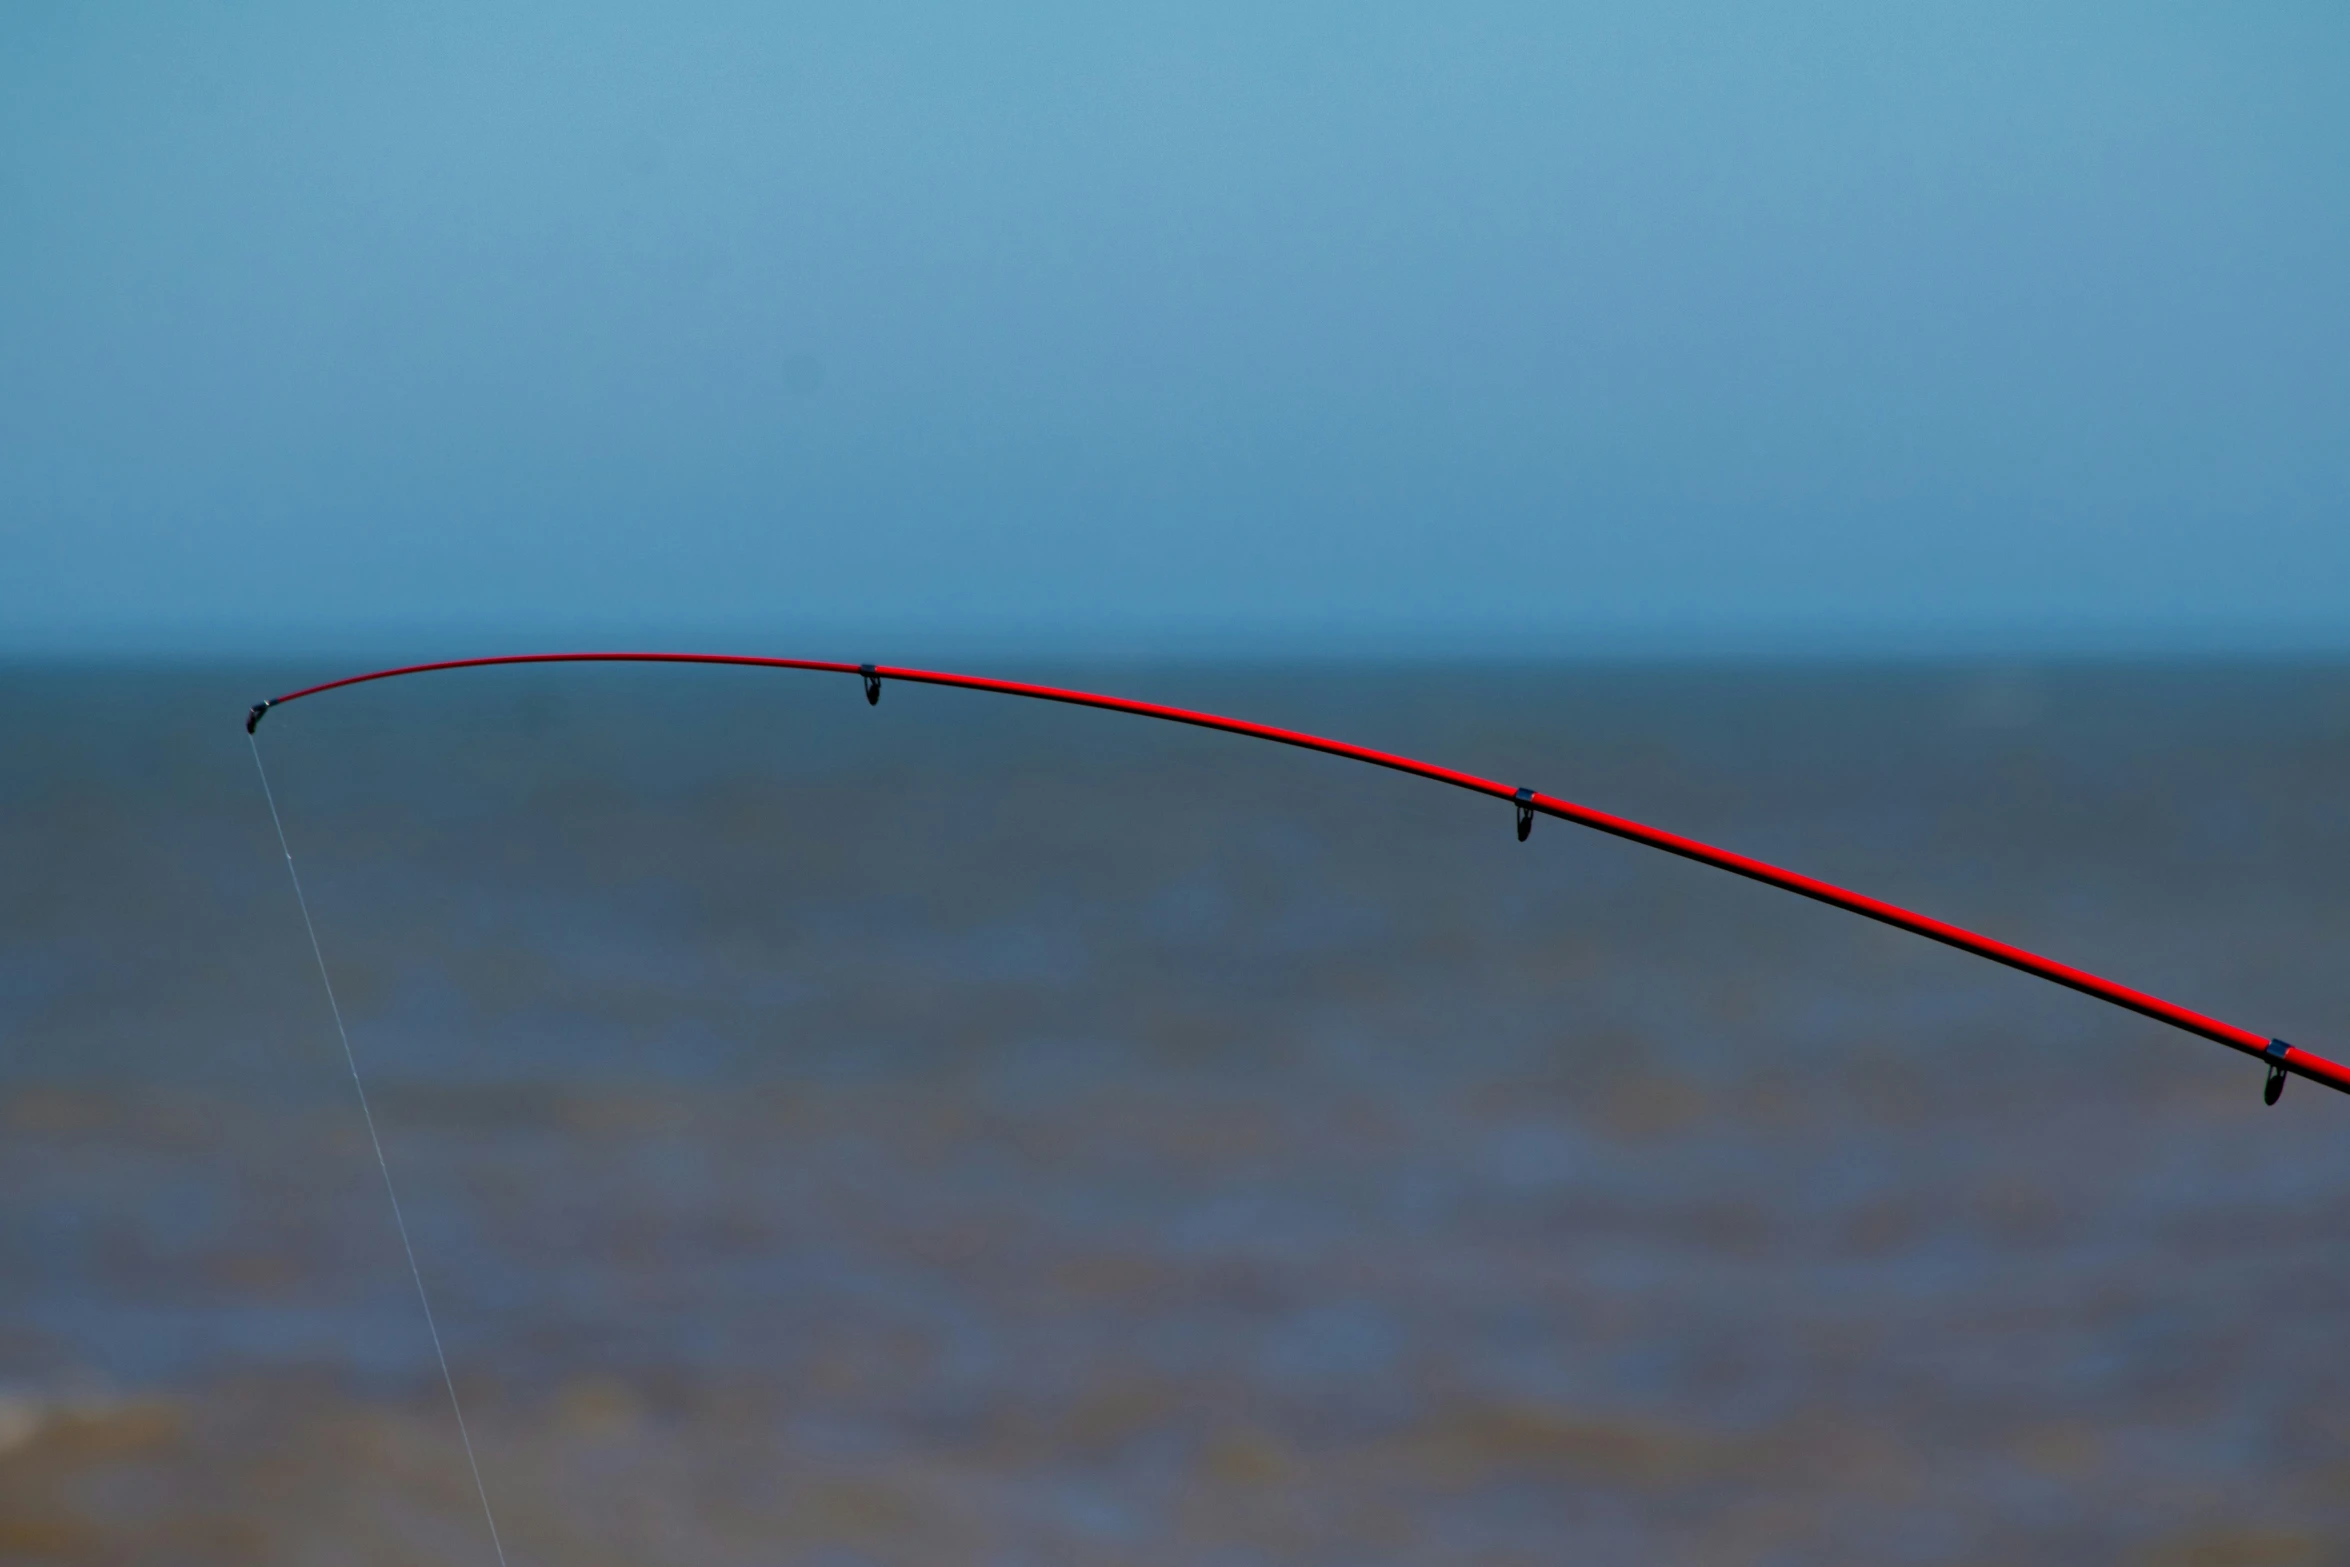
[[367, 1114]]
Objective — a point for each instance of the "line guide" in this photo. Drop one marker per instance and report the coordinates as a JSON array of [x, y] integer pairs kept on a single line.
[[2281, 1059]]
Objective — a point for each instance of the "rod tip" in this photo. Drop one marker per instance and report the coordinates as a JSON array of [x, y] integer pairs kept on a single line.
[[253, 714]]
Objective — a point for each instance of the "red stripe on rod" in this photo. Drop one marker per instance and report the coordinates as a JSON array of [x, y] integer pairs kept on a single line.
[[2300, 1062]]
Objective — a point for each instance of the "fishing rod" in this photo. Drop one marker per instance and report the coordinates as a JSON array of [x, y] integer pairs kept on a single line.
[[2282, 1059]]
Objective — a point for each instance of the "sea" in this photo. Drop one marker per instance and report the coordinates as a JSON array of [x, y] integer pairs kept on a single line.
[[965, 1130]]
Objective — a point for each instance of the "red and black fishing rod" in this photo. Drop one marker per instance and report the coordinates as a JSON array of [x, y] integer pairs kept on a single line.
[[2281, 1058]]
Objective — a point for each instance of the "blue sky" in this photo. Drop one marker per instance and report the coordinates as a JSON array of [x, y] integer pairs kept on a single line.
[[1422, 330]]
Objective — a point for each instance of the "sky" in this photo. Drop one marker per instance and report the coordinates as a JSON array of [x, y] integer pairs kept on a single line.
[[1420, 330]]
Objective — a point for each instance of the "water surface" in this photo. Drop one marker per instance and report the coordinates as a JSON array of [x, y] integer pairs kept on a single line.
[[967, 1130]]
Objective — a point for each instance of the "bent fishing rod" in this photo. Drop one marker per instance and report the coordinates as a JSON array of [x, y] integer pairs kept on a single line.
[[2282, 1059]]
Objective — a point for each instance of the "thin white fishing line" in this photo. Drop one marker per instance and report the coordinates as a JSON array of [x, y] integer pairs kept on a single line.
[[367, 1114]]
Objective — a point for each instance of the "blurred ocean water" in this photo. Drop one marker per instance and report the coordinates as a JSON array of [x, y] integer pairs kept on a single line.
[[972, 1131]]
